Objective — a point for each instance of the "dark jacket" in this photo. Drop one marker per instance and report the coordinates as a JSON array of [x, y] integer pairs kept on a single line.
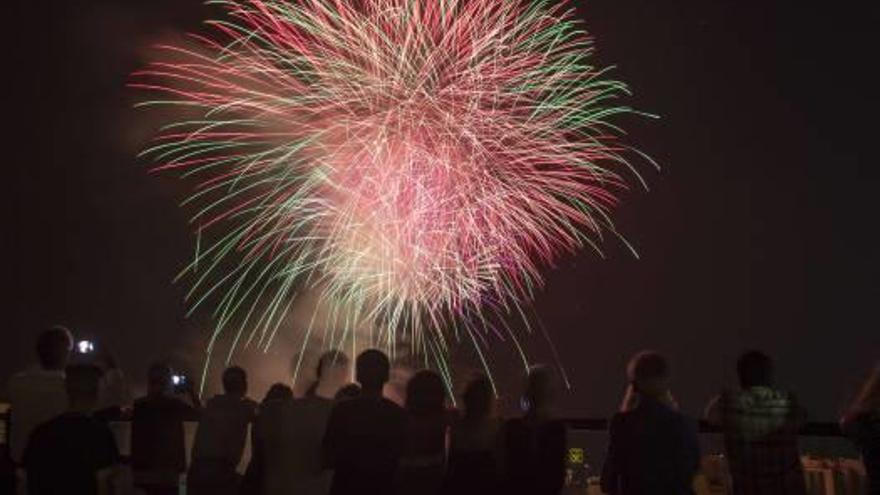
[[652, 449]]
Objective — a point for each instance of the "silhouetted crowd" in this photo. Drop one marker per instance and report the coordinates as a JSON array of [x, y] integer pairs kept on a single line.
[[345, 438]]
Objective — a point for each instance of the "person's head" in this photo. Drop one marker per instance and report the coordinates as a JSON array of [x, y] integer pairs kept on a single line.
[[425, 394], [478, 398], [332, 372], [278, 392], [755, 369], [159, 379], [235, 381], [82, 383], [648, 373], [540, 390], [372, 370], [349, 391], [53, 348]]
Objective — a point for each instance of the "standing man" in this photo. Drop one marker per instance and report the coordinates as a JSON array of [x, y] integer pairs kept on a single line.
[[760, 424], [73, 452], [38, 394], [221, 436], [652, 447], [365, 435]]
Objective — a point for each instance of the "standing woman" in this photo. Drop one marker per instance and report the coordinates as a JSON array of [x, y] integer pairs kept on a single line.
[[423, 464], [474, 442], [862, 423], [534, 445]]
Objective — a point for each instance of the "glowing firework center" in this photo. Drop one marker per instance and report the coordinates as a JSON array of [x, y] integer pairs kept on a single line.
[[419, 162]]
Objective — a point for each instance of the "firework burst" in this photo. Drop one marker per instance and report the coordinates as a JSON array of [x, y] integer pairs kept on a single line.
[[416, 161]]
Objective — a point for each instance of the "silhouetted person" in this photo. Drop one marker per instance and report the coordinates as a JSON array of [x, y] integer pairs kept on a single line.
[[349, 391], [73, 453], [290, 434], [254, 476], [38, 394], [365, 435], [652, 448], [423, 464], [277, 392], [534, 445], [220, 438], [158, 449], [473, 445], [760, 426], [862, 423]]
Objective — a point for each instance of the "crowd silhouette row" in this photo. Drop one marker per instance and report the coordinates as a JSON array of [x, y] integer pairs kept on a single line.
[[345, 438]]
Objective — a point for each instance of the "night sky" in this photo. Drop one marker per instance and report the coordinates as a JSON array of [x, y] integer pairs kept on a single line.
[[760, 230]]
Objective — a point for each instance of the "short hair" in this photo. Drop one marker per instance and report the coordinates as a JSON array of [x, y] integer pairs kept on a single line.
[[234, 380], [539, 388], [373, 369], [478, 397], [754, 369], [54, 346], [425, 393], [647, 366], [82, 382]]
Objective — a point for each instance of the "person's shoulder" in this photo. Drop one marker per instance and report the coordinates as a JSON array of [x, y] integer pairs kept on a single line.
[[557, 425], [160, 402], [141, 403], [682, 420], [344, 408], [620, 417], [26, 377], [623, 421], [513, 426], [93, 425], [58, 423], [390, 405], [71, 423], [554, 428]]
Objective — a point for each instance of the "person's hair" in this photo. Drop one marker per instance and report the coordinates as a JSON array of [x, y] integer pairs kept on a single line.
[[332, 357], [539, 389], [648, 374], [54, 346], [349, 391], [868, 399], [755, 369], [647, 366], [278, 391], [159, 376], [235, 380], [478, 397], [425, 394], [373, 369], [82, 382]]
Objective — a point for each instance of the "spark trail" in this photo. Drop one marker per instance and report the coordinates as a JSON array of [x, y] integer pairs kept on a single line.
[[418, 162]]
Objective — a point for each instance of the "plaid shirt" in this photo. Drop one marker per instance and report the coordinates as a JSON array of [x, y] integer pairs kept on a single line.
[[760, 434]]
